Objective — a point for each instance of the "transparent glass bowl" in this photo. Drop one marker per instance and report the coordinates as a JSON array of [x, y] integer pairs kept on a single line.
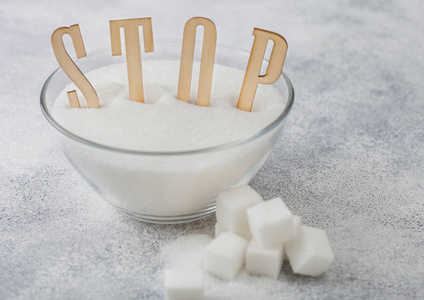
[[165, 187]]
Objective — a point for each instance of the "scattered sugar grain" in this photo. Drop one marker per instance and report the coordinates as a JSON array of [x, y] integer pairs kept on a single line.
[[181, 252], [187, 252]]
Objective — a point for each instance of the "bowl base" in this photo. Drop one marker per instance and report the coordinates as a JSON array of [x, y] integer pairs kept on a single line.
[[210, 209]]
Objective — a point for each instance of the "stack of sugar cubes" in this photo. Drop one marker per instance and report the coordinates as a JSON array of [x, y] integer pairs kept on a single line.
[[260, 235], [256, 234]]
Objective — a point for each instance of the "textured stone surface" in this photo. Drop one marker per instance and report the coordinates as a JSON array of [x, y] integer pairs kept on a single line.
[[350, 159]]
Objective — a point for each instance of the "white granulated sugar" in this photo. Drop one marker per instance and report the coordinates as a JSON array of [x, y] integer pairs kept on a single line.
[[164, 123]]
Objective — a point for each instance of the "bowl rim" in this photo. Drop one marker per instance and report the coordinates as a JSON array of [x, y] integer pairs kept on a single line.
[[263, 131]]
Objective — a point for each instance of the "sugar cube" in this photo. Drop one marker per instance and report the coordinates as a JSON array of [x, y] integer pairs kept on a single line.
[[231, 206], [297, 222], [219, 228], [183, 284], [264, 262], [245, 234], [225, 255], [271, 223], [310, 252]]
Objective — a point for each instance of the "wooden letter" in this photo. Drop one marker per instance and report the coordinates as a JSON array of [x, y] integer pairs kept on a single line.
[[275, 66], [206, 64], [132, 44], [69, 67]]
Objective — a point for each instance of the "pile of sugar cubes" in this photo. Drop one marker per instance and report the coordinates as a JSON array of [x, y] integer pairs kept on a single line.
[[256, 234]]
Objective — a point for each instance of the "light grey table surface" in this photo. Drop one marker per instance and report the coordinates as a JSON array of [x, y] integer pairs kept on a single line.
[[350, 159]]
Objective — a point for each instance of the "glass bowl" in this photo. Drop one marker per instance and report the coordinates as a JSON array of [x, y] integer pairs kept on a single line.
[[165, 187]]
